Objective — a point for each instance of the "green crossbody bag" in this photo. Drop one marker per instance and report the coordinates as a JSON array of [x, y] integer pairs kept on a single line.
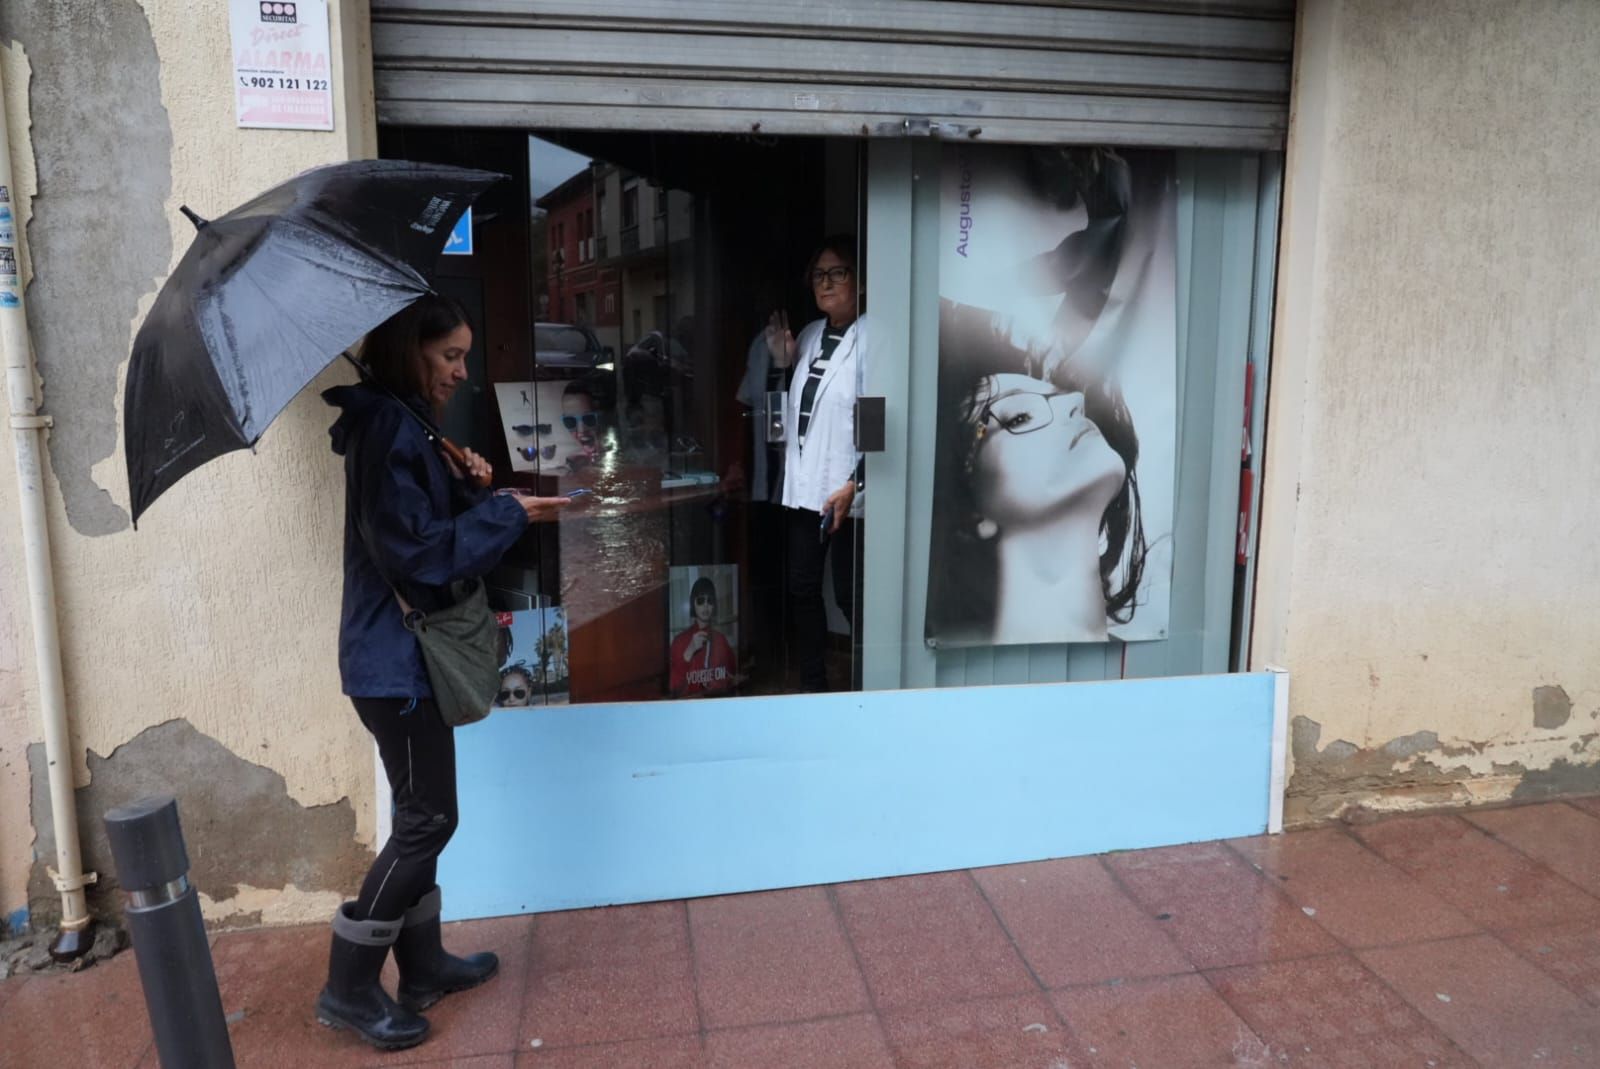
[[461, 649]]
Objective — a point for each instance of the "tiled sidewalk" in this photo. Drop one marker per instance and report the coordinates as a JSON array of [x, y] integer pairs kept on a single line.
[[1430, 941]]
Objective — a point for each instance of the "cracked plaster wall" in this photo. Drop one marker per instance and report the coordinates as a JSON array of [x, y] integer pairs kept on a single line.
[[222, 610], [1427, 566]]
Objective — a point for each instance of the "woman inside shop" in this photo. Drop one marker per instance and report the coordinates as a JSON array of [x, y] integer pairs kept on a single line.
[[1037, 530], [822, 476], [415, 523]]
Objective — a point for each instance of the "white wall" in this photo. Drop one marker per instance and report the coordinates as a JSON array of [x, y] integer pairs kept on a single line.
[[222, 609], [1427, 558]]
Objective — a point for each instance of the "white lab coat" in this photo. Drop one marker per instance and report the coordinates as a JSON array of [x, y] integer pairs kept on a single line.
[[829, 458]]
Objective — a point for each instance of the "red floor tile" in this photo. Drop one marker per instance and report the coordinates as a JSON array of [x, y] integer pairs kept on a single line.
[[1177, 1022], [1350, 891], [774, 956], [483, 1020], [840, 1043], [1220, 910], [8, 989], [1487, 880], [1568, 952], [482, 1061], [1564, 838], [270, 979], [1497, 1007], [679, 1052], [1075, 925], [1590, 805], [1020, 1032], [609, 975], [1330, 1013], [92, 1018], [925, 939]]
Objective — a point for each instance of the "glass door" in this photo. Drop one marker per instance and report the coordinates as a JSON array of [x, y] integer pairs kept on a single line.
[[690, 383]]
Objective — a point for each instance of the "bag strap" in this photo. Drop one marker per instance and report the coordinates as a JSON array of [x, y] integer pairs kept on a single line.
[[409, 616]]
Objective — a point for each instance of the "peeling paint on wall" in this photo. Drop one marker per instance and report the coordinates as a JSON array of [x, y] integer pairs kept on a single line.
[[1551, 707], [103, 148], [1341, 775], [225, 612], [244, 833], [1419, 771], [1561, 778]]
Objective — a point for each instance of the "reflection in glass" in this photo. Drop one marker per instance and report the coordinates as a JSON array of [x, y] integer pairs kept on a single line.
[[654, 263]]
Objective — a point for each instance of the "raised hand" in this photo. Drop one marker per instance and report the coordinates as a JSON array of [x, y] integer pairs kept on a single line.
[[780, 339]]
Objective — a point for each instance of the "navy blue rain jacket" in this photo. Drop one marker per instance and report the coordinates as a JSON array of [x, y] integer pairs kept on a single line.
[[427, 530]]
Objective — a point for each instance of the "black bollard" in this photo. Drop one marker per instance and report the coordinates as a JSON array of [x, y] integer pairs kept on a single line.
[[169, 937]]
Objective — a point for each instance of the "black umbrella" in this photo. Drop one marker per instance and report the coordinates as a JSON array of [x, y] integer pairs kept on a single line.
[[271, 293]]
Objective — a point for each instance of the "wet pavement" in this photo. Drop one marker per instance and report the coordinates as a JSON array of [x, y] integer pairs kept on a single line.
[[1435, 941]]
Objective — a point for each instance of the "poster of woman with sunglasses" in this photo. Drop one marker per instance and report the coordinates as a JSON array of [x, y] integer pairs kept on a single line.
[[704, 624], [551, 428], [1053, 487], [533, 658]]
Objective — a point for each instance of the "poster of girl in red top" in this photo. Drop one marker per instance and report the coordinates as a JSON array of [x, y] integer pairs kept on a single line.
[[701, 659]]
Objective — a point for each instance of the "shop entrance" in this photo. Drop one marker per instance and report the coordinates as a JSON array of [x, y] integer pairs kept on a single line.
[[636, 296], [623, 284]]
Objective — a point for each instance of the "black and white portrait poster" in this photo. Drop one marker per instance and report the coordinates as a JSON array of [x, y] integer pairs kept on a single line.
[[1053, 490]]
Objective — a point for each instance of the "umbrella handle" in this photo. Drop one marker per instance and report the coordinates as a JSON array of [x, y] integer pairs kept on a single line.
[[457, 454]]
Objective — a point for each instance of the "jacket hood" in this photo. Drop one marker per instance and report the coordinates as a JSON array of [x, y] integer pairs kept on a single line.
[[359, 402], [356, 404]]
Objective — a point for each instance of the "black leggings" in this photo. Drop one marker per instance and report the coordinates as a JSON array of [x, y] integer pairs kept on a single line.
[[419, 755], [807, 557]]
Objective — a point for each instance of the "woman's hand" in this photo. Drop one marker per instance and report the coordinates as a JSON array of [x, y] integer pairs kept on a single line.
[[780, 339], [839, 503], [476, 468], [696, 644], [540, 509]]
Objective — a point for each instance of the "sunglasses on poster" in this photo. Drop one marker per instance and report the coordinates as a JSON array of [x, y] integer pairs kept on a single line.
[[531, 452], [589, 419], [528, 429], [513, 694]]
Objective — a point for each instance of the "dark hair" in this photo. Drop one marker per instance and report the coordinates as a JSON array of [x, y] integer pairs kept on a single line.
[[963, 583], [841, 245], [392, 348], [701, 585]]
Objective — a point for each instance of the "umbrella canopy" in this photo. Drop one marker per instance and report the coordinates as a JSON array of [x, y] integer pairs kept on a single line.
[[268, 295]]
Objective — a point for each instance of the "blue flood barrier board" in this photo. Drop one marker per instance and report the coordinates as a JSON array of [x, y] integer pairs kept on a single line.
[[574, 806]]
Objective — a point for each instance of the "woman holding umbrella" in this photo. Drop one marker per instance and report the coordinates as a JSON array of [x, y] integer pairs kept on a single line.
[[415, 522]]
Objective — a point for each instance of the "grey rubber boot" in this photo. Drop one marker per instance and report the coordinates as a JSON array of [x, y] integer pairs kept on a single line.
[[354, 998], [427, 971]]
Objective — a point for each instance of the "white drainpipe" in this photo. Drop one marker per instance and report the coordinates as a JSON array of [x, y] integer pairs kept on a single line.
[[27, 431]]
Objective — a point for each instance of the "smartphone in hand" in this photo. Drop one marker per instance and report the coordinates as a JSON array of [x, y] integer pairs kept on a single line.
[[581, 491], [827, 523]]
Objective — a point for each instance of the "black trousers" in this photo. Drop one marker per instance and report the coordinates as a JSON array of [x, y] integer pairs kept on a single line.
[[807, 555], [419, 756]]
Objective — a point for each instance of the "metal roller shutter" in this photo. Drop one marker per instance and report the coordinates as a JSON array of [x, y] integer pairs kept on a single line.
[[1165, 72]]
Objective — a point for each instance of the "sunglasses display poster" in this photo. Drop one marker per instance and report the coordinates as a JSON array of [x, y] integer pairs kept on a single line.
[[1057, 399], [533, 658], [551, 427], [703, 630]]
